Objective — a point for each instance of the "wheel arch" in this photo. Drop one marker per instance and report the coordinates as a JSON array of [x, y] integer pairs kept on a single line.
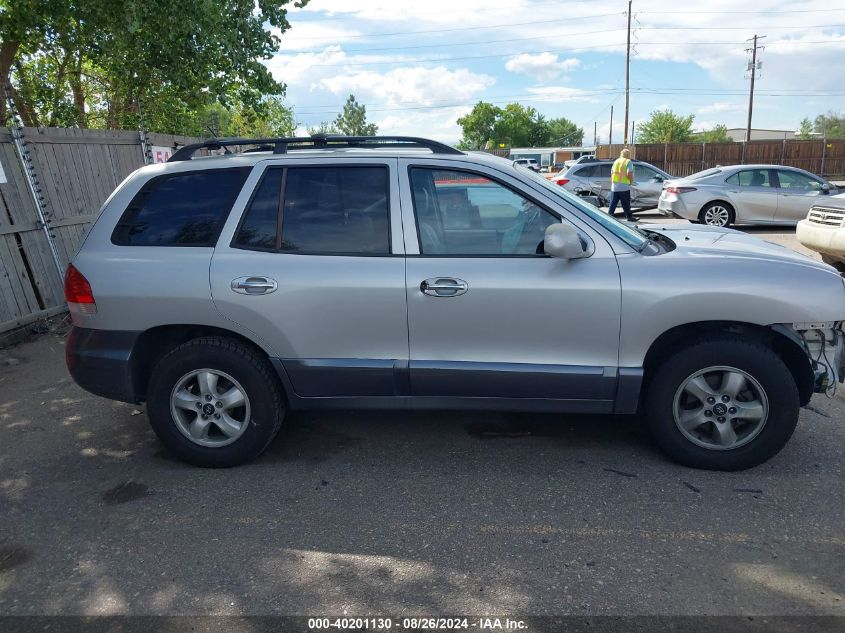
[[155, 342], [793, 356]]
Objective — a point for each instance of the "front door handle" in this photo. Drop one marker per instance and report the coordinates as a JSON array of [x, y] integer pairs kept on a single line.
[[254, 285], [443, 287]]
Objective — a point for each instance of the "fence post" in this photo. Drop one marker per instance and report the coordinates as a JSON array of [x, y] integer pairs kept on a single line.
[[824, 151], [665, 157], [32, 182], [703, 155]]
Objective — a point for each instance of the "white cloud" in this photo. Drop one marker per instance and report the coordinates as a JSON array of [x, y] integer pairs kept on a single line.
[[440, 124], [415, 85], [722, 106], [543, 66]]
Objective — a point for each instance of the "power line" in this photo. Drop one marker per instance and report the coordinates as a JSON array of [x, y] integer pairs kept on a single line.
[[503, 99], [466, 28], [537, 52], [452, 44]]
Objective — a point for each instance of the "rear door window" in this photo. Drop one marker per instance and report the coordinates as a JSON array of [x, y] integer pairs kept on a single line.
[[751, 178], [327, 210], [181, 209]]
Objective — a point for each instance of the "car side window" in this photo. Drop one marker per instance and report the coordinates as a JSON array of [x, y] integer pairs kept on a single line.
[[797, 181], [645, 174], [750, 178], [602, 170], [586, 171], [331, 210], [464, 213], [181, 209]]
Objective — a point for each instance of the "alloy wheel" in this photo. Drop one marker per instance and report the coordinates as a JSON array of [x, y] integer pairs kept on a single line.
[[210, 407], [720, 408], [717, 215]]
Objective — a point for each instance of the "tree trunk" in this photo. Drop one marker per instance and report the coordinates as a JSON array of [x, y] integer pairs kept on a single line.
[[23, 99], [75, 80], [8, 51]]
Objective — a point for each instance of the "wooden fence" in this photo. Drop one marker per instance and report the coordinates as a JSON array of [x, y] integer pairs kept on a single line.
[[826, 158], [77, 170]]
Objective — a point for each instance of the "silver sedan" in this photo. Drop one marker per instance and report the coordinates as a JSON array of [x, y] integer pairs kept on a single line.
[[744, 194]]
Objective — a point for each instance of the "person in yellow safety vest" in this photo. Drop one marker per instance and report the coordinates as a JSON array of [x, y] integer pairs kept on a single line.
[[621, 179]]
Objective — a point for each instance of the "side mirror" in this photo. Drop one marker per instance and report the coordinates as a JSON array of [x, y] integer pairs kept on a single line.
[[563, 241], [657, 179], [825, 188]]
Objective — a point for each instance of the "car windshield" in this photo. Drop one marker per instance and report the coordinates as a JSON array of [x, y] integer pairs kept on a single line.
[[629, 235]]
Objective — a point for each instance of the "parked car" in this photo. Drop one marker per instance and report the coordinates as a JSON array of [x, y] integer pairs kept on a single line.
[[594, 176], [531, 163], [823, 230], [225, 290], [744, 194], [587, 158]]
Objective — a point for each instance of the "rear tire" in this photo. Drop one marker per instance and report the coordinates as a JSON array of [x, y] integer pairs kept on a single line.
[[230, 382], [717, 213], [752, 424]]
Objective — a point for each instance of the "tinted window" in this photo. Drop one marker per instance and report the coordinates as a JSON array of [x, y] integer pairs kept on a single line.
[[336, 210], [258, 229], [750, 178], [586, 171], [797, 181], [327, 210], [180, 209], [459, 213], [644, 173], [602, 170]]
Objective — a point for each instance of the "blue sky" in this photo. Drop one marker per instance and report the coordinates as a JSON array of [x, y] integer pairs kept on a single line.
[[418, 66]]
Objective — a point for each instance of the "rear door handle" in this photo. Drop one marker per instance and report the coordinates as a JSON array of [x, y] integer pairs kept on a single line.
[[254, 285], [443, 287]]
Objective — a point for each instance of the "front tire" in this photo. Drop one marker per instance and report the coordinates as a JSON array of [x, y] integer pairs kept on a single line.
[[722, 403], [719, 214], [215, 402]]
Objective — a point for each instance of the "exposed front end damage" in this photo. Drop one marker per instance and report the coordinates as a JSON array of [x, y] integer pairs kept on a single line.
[[824, 344]]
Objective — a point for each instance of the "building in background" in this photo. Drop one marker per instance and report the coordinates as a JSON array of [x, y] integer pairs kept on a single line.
[[759, 134], [551, 156]]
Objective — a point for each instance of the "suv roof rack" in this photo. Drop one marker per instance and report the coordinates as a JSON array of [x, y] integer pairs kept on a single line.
[[318, 141]]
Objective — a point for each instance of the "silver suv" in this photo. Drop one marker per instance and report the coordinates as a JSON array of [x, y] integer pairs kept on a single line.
[[338, 272]]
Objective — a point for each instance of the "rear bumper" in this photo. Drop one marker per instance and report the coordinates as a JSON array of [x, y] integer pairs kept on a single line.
[[100, 361]]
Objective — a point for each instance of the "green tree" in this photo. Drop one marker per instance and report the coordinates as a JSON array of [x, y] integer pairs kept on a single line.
[[665, 126], [805, 129], [830, 125], [324, 128], [717, 134], [562, 131], [81, 62], [515, 124], [353, 120], [478, 125]]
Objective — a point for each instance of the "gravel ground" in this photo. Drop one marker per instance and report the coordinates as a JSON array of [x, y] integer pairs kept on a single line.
[[404, 513]]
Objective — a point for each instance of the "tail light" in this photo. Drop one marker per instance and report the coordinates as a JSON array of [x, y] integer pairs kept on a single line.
[[78, 291], [562, 181], [679, 189]]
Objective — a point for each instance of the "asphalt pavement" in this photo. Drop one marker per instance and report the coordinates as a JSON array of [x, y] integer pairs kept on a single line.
[[363, 513]]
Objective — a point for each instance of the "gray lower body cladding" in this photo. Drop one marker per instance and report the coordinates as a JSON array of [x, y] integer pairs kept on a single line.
[[103, 362]]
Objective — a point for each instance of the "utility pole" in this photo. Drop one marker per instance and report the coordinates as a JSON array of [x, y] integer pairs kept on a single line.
[[610, 135], [633, 136], [752, 68], [595, 133], [627, 76]]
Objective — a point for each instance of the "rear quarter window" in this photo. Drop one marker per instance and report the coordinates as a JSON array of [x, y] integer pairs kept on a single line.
[[180, 209]]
